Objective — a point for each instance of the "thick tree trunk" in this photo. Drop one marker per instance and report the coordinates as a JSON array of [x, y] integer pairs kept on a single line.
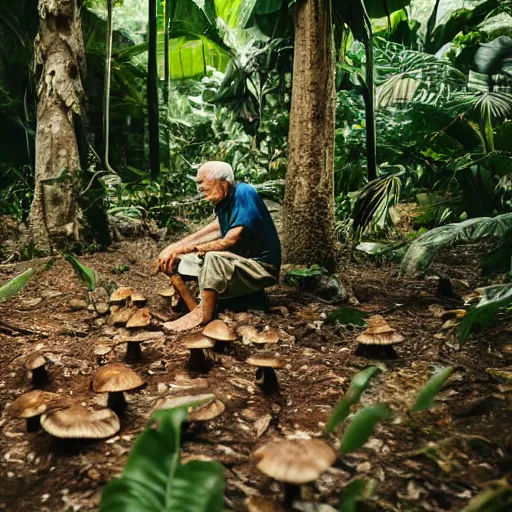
[[308, 217], [59, 54]]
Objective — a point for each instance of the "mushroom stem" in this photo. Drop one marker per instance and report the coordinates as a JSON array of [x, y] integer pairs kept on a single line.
[[117, 401], [39, 376], [33, 424], [291, 494], [133, 351], [267, 379], [198, 361]]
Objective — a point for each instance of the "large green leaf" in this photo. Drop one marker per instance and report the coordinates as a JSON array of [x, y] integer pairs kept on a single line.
[[422, 250], [381, 8], [153, 479], [362, 425], [268, 6], [493, 298], [87, 275], [431, 388], [15, 284], [354, 493], [358, 384], [347, 316]]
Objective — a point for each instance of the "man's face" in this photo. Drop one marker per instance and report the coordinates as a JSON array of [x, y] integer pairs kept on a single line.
[[212, 190]]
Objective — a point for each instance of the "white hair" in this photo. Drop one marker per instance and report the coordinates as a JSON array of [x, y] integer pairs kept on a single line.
[[216, 170]]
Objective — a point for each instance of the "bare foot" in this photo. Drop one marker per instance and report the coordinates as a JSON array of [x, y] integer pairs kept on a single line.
[[187, 322]]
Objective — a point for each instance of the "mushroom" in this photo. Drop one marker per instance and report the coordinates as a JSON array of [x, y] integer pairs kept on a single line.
[[221, 332], [133, 342], [203, 407], [114, 378], [378, 339], [31, 405], [36, 363], [200, 355], [121, 295], [121, 316], [76, 422], [265, 374], [141, 318], [294, 462], [137, 299], [101, 351], [171, 295]]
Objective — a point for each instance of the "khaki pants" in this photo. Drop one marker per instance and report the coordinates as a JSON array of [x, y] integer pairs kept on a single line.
[[226, 273]]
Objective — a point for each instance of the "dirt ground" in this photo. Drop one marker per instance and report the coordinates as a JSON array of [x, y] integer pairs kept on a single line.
[[434, 460]]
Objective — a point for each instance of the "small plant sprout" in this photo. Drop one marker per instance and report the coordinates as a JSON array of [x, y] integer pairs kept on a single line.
[[200, 351], [378, 339], [114, 379], [221, 332], [265, 374], [76, 422], [31, 405], [294, 462], [141, 318], [36, 363]]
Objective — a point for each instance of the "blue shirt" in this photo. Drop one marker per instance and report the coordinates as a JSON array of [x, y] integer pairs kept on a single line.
[[244, 207]]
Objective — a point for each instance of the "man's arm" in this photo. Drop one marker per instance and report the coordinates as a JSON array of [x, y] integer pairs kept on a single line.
[[230, 240], [209, 232]]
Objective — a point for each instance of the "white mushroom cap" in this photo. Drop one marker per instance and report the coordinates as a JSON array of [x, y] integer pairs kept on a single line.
[[379, 332], [32, 403], [296, 462], [78, 423], [115, 377], [219, 330], [138, 299], [179, 401], [207, 411]]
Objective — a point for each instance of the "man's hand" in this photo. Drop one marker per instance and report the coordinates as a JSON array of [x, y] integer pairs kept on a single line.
[[167, 258]]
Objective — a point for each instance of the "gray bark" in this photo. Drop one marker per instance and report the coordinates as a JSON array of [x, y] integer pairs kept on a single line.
[[59, 58]]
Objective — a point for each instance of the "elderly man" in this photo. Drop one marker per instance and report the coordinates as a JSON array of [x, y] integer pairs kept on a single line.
[[237, 254]]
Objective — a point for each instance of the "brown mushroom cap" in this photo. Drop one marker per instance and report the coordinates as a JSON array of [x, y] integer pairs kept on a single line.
[[267, 337], [219, 330], [167, 292], [197, 340], [141, 318], [206, 412], [296, 461], [248, 332], [379, 332], [102, 350], [35, 361], [179, 401], [138, 299], [115, 377], [259, 504], [121, 316], [75, 422], [266, 361], [140, 337], [121, 294], [32, 403]]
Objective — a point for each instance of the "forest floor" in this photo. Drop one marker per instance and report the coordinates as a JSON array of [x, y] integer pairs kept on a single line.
[[434, 460]]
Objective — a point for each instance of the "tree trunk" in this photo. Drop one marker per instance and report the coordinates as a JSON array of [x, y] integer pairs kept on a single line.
[[59, 56], [152, 93], [308, 217]]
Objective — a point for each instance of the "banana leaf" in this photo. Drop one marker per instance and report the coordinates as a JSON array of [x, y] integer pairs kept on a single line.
[[493, 299], [15, 284], [154, 480], [431, 388], [419, 256], [85, 274], [362, 425], [358, 384]]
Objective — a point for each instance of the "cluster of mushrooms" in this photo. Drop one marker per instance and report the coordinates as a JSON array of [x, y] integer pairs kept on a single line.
[[292, 462]]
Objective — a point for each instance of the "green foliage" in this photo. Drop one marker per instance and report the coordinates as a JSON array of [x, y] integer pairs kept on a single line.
[[358, 384], [347, 316], [422, 250], [362, 425], [493, 299], [154, 479], [86, 275], [15, 284], [428, 392], [355, 492], [495, 497]]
